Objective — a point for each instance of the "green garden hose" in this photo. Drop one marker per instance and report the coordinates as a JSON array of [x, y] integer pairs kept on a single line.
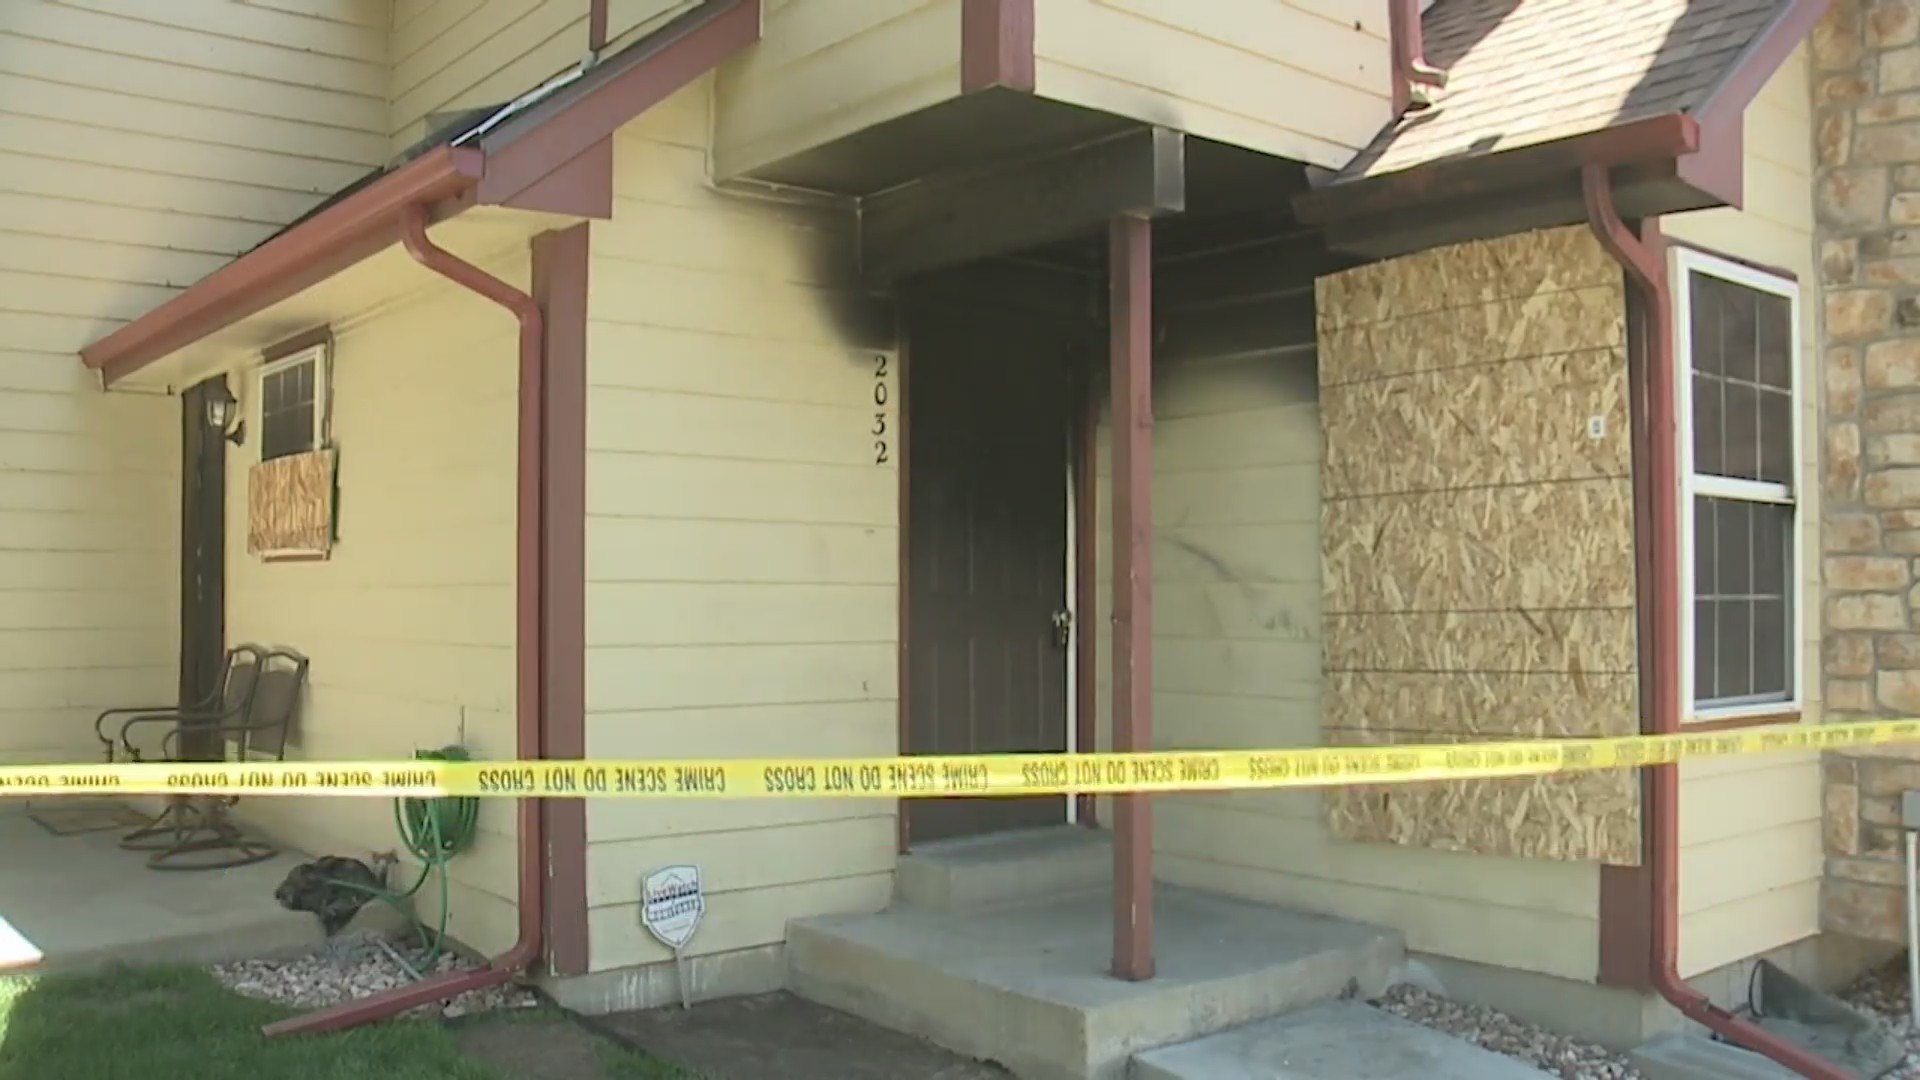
[[432, 832]]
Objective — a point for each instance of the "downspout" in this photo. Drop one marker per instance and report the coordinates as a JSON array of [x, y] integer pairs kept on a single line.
[[1658, 403], [529, 580], [1408, 51]]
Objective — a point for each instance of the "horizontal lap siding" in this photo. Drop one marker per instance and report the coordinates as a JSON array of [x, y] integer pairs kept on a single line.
[[825, 70], [1302, 79], [142, 145], [1750, 860], [449, 55], [742, 542], [410, 622], [1237, 633]]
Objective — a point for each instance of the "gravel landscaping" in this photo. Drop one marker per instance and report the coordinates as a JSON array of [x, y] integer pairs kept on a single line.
[[1553, 1054], [355, 966], [1883, 992]]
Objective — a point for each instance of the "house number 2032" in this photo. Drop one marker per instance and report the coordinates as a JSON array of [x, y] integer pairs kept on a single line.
[[882, 440]]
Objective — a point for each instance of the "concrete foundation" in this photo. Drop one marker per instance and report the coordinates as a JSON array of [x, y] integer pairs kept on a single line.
[[1026, 984], [710, 977], [1343, 1040]]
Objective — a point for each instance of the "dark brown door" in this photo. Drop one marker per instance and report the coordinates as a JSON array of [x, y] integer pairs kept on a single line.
[[987, 409]]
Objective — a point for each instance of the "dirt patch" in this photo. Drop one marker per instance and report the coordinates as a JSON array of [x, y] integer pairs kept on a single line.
[[780, 1037]]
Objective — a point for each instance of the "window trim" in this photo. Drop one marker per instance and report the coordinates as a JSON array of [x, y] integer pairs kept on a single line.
[[1688, 261], [318, 355]]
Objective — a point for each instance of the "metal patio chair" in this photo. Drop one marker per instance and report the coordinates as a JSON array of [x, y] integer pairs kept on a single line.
[[197, 833], [228, 698]]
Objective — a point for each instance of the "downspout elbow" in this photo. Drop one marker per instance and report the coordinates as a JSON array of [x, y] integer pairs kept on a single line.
[[1408, 50], [1655, 402]]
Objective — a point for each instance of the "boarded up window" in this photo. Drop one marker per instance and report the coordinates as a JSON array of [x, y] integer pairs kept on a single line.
[[1476, 536], [1739, 404], [290, 506]]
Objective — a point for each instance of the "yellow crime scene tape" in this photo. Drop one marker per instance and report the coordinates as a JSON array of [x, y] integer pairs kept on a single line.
[[931, 776]]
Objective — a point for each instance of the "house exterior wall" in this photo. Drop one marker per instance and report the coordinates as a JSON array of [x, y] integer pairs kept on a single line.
[[448, 55], [1750, 860], [742, 544], [1238, 636], [140, 148], [409, 621], [824, 70], [1301, 79], [1867, 185]]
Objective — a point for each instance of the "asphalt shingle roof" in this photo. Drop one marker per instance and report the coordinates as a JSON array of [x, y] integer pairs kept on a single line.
[[1523, 72]]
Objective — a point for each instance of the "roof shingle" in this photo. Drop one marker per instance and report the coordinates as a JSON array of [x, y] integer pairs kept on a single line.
[[1524, 72]]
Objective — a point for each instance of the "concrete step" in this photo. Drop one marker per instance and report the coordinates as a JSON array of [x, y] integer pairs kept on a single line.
[[1027, 985], [1009, 867], [1686, 1056], [1339, 1040]]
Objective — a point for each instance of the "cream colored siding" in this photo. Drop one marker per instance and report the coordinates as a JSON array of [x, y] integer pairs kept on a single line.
[[828, 68], [141, 146], [1750, 830], [1297, 79], [410, 622], [1237, 632], [742, 542], [460, 54]]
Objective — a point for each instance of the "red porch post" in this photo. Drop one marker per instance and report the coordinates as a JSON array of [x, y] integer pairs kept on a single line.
[[1130, 324]]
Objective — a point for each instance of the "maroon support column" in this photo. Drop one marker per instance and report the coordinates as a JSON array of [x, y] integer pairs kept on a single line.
[[1130, 315]]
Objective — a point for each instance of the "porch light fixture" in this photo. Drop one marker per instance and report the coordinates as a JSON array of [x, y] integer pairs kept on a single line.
[[221, 412]]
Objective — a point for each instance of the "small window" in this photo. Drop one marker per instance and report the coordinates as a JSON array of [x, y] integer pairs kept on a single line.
[[293, 404], [1739, 331]]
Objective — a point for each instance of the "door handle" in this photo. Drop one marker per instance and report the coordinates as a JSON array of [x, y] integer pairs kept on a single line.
[[1062, 627]]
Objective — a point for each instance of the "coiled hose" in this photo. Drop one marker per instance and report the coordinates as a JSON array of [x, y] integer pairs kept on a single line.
[[432, 832]]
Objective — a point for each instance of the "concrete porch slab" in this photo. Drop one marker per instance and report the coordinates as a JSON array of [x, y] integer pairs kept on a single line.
[[78, 901], [1341, 1040], [1026, 985]]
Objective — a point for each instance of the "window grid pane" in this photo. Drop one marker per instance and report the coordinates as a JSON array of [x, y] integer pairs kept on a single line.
[[286, 411]]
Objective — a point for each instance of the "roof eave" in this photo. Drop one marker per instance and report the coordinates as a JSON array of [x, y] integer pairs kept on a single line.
[[310, 252], [1700, 149], [556, 158]]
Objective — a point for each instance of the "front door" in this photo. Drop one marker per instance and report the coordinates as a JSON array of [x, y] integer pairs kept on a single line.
[[987, 413]]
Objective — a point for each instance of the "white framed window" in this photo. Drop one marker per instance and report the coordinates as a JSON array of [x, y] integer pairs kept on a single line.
[[1737, 357], [292, 396]]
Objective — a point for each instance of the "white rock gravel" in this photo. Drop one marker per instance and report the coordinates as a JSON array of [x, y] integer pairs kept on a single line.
[[357, 965], [1883, 992], [1553, 1054]]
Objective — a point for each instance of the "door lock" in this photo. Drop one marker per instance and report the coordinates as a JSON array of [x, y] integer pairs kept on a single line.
[[1062, 627]]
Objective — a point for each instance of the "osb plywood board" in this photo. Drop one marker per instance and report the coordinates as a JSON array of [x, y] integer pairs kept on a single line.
[[1502, 423], [1488, 705], [1523, 546], [1477, 273], [1477, 563], [1541, 325], [1448, 642], [1593, 816], [290, 506]]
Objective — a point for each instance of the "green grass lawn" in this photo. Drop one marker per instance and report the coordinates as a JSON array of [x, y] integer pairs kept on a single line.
[[180, 1024]]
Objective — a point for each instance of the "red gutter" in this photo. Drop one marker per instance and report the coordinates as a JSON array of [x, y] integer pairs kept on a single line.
[[529, 691], [306, 254], [1658, 402]]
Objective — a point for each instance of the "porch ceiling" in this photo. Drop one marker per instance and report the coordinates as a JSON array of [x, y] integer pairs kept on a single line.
[[483, 235]]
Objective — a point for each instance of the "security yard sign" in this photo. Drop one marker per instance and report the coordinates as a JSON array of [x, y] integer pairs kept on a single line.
[[671, 904]]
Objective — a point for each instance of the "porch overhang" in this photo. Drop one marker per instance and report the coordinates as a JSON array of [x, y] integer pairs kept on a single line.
[[542, 161], [1687, 158]]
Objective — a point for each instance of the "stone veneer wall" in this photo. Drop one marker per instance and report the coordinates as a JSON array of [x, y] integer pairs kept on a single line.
[[1866, 97]]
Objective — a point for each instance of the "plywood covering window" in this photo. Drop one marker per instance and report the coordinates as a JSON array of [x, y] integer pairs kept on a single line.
[[292, 403], [1740, 437]]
